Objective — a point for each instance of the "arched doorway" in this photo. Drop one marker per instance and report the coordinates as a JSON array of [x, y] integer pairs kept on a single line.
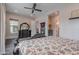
[[53, 24]]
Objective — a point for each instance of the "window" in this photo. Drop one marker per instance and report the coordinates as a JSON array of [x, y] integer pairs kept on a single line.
[[13, 26]]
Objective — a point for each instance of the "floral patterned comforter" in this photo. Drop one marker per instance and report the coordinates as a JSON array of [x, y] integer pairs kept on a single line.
[[49, 46]]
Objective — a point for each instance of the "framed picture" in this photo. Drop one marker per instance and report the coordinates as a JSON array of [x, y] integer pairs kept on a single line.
[[75, 13], [42, 27]]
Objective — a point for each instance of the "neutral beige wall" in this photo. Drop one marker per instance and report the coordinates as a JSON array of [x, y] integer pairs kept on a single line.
[[20, 18], [0, 27], [69, 28], [2, 20]]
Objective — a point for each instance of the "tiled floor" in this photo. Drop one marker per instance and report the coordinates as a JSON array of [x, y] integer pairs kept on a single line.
[[9, 46]]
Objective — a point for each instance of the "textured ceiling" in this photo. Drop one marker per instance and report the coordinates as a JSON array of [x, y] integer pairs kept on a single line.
[[18, 8]]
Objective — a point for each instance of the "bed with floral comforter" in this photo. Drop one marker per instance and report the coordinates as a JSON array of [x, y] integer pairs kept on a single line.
[[49, 46]]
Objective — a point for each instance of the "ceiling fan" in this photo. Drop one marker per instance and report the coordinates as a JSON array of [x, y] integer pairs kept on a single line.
[[33, 8]]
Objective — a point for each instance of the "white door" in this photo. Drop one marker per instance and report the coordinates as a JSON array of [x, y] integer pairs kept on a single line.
[[33, 28]]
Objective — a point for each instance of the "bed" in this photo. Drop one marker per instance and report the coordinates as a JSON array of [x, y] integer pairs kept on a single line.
[[48, 46]]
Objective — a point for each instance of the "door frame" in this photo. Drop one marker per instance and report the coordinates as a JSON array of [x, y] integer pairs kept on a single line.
[[54, 15]]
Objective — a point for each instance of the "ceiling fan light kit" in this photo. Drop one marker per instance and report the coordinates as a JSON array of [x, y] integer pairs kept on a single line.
[[33, 8]]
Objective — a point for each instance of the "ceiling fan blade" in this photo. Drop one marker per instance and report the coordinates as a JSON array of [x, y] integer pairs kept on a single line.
[[33, 8], [38, 10], [34, 5], [27, 8], [32, 11]]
